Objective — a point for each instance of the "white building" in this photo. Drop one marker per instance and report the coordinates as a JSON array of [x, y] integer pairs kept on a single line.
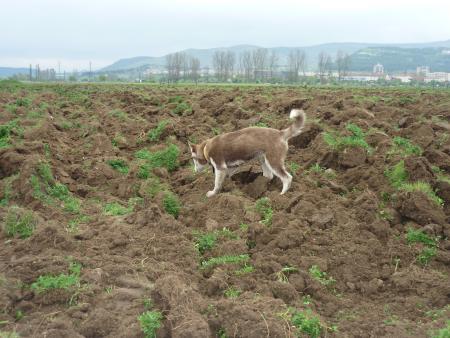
[[378, 69], [437, 76]]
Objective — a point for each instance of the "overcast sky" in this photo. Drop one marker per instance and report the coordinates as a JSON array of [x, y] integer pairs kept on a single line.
[[76, 31]]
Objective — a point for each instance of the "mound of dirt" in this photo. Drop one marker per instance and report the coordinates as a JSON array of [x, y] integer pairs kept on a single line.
[[103, 219]]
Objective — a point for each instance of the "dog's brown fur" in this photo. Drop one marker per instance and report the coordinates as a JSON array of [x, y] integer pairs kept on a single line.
[[227, 151]]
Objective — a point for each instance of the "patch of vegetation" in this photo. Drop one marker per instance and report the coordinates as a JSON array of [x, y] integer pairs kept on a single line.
[[167, 158], [7, 191], [443, 333], [18, 223], [47, 190], [418, 236], [283, 274], [429, 250], [182, 108], [403, 146], [306, 324], [120, 114], [232, 292], [293, 167], [62, 281], [397, 175], [176, 99], [116, 209], [426, 255], [23, 102], [340, 142], [6, 131], [9, 334], [154, 134], [264, 209], [212, 262], [171, 204], [119, 165], [205, 242], [321, 276], [150, 321], [247, 268], [441, 176], [424, 188]]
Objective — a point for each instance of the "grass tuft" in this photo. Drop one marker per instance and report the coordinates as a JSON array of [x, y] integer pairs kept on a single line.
[[171, 204], [321, 276], [154, 134], [224, 260], [62, 281], [119, 165], [424, 188], [306, 324], [150, 322], [403, 146], [339, 142], [263, 207], [17, 223], [167, 158]]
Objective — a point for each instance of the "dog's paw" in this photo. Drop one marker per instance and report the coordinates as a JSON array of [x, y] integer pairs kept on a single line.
[[268, 175], [210, 193]]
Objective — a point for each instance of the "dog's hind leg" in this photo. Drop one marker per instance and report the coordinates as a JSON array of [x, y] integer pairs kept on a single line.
[[276, 166], [267, 172]]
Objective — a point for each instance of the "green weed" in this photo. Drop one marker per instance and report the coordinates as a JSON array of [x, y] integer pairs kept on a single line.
[[283, 274], [418, 236], [293, 167], [154, 134], [404, 147], [167, 158], [62, 281], [232, 292], [116, 209], [224, 260], [6, 131], [426, 255], [150, 321], [205, 242], [18, 223], [339, 142], [119, 165], [397, 175], [263, 207], [424, 188], [171, 204], [443, 333], [321, 276], [118, 114], [247, 268], [306, 323], [9, 334], [182, 108]]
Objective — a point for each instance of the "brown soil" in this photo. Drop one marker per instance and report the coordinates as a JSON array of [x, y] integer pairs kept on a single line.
[[338, 219]]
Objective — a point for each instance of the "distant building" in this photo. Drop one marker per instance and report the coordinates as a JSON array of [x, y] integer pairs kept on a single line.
[[437, 76], [422, 70], [378, 69]]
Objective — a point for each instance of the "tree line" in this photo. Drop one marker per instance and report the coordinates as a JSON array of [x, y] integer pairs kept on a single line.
[[256, 65]]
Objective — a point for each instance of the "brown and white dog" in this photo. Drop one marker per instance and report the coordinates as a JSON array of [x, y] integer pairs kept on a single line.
[[228, 151]]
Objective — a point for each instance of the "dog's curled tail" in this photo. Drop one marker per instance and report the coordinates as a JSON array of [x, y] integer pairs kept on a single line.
[[299, 117]]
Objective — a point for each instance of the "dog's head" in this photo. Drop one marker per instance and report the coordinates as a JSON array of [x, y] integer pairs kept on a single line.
[[198, 156]]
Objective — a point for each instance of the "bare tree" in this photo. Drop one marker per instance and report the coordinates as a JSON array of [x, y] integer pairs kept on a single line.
[[259, 57], [223, 63], [194, 69], [324, 65], [273, 60], [246, 63], [342, 64], [296, 63], [175, 65]]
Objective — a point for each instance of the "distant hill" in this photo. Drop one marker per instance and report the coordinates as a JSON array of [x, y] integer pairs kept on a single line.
[[9, 71], [401, 59], [312, 52]]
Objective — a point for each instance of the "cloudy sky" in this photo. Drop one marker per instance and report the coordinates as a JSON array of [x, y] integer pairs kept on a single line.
[[77, 31]]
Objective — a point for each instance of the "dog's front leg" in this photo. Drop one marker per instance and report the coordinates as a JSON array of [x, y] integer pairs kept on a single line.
[[219, 177]]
